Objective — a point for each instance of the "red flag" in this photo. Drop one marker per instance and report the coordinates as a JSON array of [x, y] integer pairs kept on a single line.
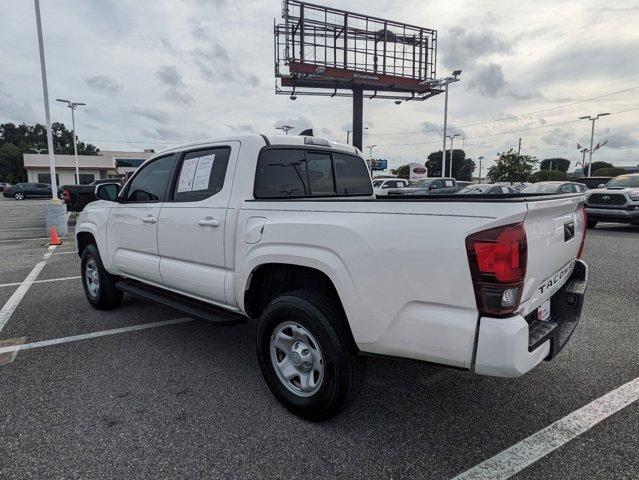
[[597, 147], [603, 144], [579, 147]]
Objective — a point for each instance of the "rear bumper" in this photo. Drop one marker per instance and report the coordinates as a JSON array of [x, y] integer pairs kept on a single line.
[[625, 214], [510, 347]]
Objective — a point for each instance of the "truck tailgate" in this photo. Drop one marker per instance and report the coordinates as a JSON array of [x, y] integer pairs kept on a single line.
[[555, 228]]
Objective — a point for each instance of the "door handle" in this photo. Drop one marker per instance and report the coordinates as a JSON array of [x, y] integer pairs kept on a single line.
[[208, 222], [149, 219]]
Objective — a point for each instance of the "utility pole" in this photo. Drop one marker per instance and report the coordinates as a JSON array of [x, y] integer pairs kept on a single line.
[[593, 119], [45, 92], [480, 159], [452, 137], [72, 106], [519, 147], [348, 133]]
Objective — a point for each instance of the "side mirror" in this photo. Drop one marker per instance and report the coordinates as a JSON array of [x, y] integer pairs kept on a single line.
[[107, 191], [601, 185], [432, 187]]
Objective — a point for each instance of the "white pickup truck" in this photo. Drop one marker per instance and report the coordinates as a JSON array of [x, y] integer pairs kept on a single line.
[[286, 231]]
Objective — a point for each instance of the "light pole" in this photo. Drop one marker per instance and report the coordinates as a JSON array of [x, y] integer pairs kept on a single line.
[[592, 135], [480, 159], [73, 106], [444, 82], [47, 115], [348, 134], [286, 128], [452, 137], [370, 157]]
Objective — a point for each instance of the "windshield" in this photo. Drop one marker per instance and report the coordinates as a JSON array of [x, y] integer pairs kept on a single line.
[[542, 188], [423, 183], [624, 181]]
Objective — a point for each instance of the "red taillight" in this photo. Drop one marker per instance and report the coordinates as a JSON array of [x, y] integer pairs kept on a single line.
[[584, 219], [65, 196], [497, 259]]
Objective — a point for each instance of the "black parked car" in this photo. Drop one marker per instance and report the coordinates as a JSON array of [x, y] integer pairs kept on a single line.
[[20, 191]]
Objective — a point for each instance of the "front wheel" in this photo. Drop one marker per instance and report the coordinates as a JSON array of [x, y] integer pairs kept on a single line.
[[99, 285], [18, 196], [307, 356], [592, 223]]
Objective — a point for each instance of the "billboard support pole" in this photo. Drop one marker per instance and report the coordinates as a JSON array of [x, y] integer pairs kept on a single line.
[[358, 116]]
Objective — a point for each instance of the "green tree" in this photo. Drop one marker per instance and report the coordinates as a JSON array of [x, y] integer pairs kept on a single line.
[[560, 164], [599, 165], [548, 175], [608, 172], [16, 140], [463, 167], [510, 167], [401, 172]]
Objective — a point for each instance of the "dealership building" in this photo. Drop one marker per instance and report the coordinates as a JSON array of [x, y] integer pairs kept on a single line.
[[109, 164]]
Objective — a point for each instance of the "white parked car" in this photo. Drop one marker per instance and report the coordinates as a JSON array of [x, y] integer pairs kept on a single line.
[[286, 231], [382, 185]]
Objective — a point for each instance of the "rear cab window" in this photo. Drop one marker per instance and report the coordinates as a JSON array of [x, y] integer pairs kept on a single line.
[[299, 172]]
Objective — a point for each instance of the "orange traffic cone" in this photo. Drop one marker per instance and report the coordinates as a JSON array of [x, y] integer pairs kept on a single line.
[[54, 239]]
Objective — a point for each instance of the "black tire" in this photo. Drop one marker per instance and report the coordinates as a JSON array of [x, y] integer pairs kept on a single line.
[[106, 295], [19, 196], [592, 223], [343, 367]]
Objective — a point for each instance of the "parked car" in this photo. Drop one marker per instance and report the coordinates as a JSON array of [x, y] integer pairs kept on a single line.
[[381, 186], [20, 191], [78, 196], [618, 201], [4, 186], [487, 189], [594, 182], [427, 186], [552, 187], [461, 184], [285, 231]]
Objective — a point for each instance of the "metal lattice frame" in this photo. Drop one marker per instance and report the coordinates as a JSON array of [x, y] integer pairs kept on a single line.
[[326, 51]]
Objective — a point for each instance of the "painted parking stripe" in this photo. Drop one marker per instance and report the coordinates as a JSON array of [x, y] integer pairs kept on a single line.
[[15, 299], [528, 451], [41, 281], [87, 336]]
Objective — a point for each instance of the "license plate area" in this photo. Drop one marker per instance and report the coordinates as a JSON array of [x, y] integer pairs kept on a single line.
[[543, 311]]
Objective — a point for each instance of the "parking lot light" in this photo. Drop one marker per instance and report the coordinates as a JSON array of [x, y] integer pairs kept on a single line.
[[592, 118], [72, 106]]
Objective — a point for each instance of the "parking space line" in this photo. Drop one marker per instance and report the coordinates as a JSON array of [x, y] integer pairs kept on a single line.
[[15, 299], [40, 281], [528, 451], [65, 253], [86, 336]]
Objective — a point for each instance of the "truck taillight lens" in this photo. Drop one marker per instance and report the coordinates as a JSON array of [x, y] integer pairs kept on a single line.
[[584, 219], [497, 259]]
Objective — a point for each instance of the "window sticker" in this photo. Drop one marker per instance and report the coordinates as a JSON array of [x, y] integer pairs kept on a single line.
[[185, 183], [203, 172]]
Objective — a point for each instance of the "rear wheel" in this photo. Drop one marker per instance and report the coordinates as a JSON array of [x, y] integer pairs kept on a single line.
[[592, 223], [307, 356], [99, 285], [18, 196]]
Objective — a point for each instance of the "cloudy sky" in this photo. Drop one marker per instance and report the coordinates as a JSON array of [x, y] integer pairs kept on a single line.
[[157, 73]]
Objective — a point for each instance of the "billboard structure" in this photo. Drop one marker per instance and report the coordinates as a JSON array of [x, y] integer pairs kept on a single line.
[[331, 52]]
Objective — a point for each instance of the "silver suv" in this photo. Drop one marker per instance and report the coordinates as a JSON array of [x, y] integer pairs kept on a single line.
[[618, 201]]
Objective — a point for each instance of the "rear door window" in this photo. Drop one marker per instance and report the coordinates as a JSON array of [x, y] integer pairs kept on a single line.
[[201, 174]]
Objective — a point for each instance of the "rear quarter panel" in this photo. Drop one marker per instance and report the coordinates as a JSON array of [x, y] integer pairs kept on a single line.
[[401, 269]]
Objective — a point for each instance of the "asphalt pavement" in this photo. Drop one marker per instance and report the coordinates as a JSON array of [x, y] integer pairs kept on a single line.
[[187, 400]]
